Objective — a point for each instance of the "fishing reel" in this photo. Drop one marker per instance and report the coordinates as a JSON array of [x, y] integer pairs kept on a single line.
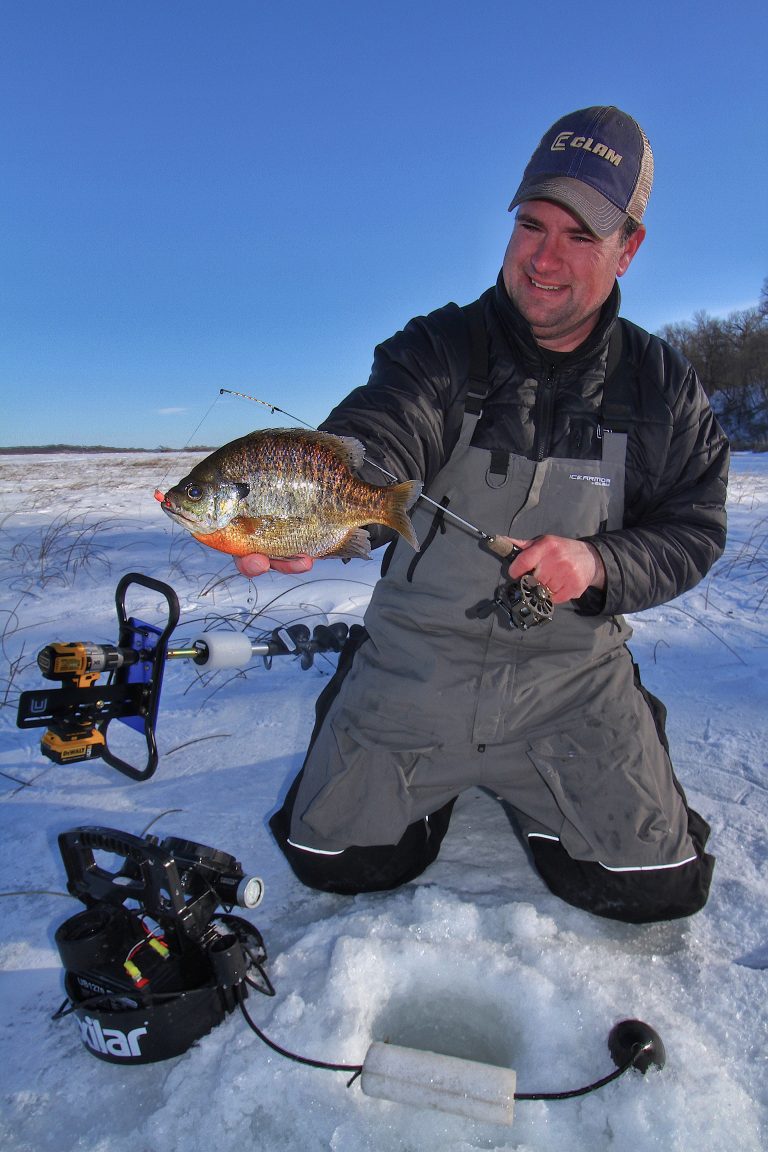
[[525, 603], [521, 604], [152, 965]]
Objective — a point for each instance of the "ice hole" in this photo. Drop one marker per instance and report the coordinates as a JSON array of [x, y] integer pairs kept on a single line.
[[453, 1024]]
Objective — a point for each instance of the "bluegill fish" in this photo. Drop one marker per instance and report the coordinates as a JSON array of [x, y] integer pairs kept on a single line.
[[288, 492]]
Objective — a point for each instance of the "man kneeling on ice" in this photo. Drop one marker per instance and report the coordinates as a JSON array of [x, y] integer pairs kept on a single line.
[[534, 412]]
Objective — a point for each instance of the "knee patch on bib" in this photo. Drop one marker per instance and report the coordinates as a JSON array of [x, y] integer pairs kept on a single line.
[[635, 895], [376, 868]]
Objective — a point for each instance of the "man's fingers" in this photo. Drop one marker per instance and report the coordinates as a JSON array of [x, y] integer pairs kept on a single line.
[[256, 564], [295, 565], [252, 565], [564, 566]]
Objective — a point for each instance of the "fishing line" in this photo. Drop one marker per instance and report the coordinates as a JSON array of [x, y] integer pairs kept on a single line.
[[192, 435], [207, 414]]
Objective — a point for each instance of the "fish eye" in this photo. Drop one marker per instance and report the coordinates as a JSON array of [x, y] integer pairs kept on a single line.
[[194, 492]]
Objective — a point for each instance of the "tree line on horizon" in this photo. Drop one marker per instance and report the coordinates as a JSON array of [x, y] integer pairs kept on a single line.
[[730, 355]]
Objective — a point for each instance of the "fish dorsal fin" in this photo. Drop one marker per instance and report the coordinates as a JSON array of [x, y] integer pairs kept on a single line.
[[345, 448]]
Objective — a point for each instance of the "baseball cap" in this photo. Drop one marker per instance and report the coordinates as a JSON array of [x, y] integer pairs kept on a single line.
[[598, 163]]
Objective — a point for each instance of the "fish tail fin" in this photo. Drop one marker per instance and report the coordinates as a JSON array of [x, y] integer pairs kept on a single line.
[[399, 499]]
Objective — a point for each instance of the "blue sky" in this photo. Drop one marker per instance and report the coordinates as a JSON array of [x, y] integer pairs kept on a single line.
[[199, 194]]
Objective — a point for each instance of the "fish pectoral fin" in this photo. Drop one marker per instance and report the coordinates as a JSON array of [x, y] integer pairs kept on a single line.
[[355, 545]]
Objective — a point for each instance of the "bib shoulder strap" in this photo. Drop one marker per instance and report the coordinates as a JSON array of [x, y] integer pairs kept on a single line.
[[478, 358]]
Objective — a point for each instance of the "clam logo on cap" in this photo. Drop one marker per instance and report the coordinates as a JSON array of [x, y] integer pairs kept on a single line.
[[587, 143]]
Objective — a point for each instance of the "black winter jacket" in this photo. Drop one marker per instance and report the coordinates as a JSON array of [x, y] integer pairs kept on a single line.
[[541, 404]]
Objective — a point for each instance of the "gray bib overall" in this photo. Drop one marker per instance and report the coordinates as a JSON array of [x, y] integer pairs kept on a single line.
[[444, 695]]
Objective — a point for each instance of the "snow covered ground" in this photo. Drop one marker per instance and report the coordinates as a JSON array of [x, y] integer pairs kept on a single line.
[[475, 959]]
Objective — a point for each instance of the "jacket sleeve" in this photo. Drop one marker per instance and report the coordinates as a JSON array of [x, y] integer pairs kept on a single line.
[[403, 413], [675, 524]]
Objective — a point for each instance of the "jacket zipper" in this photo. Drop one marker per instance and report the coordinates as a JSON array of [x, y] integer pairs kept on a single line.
[[544, 414]]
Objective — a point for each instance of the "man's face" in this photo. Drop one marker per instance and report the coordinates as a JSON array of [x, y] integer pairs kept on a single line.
[[559, 275]]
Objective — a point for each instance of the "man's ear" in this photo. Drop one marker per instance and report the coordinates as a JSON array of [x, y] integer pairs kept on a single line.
[[629, 250]]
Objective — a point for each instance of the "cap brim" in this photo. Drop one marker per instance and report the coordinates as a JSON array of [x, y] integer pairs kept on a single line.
[[599, 215]]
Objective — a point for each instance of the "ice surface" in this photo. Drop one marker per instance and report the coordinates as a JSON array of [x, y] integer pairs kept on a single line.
[[474, 960]]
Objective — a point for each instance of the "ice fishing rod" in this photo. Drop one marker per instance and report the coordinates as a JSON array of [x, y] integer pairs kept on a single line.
[[266, 404], [525, 603]]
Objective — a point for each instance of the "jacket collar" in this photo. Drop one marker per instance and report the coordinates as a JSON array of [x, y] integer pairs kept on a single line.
[[519, 330]]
